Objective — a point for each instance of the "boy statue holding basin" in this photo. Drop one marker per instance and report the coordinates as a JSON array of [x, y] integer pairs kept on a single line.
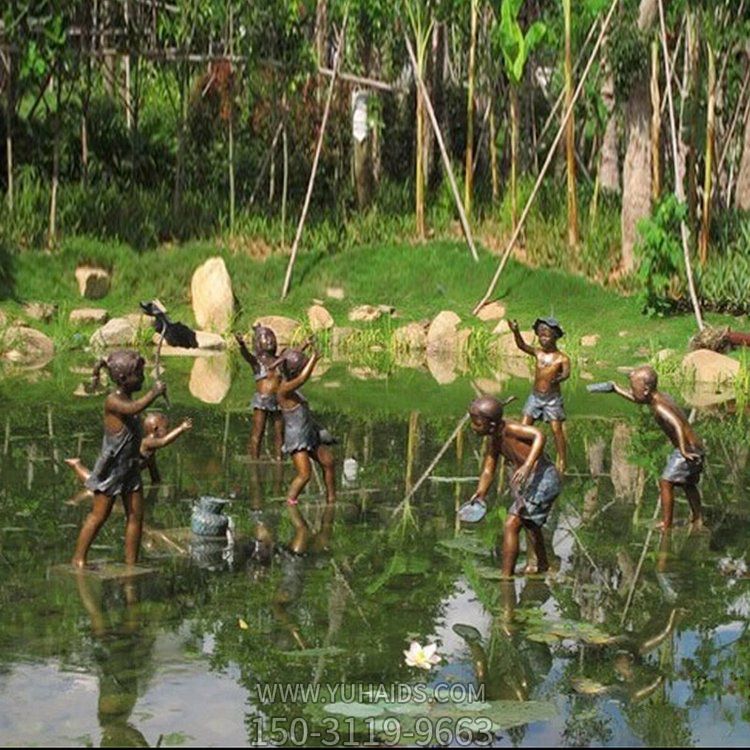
[[534, 485], [685, 463], [552, 367]]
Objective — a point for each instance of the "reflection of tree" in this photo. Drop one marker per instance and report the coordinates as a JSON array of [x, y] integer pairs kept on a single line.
[[122, 652], [585, 726]]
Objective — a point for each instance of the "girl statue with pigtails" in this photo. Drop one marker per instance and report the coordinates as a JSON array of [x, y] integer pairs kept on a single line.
[[117, 470]]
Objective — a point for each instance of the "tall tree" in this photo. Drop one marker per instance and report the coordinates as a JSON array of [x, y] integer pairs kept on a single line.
[[570, 131], [636, 196]]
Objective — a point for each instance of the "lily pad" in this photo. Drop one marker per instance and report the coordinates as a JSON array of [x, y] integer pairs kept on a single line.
[[355, 710]]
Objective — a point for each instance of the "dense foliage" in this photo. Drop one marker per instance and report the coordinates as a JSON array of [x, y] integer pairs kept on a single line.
[[149, 122]]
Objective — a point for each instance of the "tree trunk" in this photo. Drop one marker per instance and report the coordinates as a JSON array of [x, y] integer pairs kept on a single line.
[[570, 133], [419, 175], [285, 175], [52, 229], [609, 165], [180, 164], [362, 162], [321, 39], [9, 117], [703, 238], [230, 160], [655, 123], [493, 156], [742, 192], [514, 125], [469, 168], [128, 83], [636, 197]]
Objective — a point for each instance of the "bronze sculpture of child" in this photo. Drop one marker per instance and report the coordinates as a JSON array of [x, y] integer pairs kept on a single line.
[[534, 485], [156, 435], [303, 439], [685, 463], [552, 367], [117, 471], [264, 403]]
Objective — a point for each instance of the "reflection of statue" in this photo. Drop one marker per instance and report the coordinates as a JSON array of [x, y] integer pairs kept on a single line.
[[122, 653], [293, 561], [510, 669]]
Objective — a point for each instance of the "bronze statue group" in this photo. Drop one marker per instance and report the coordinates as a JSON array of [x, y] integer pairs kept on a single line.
[[129, 445]]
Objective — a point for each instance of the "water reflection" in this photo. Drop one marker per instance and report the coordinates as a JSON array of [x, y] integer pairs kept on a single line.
[[121, 649]]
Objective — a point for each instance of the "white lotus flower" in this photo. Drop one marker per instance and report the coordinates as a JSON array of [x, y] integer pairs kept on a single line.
[[422, 657]]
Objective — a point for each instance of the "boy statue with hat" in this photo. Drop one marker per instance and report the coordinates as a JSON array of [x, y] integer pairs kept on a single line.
[[552, 368]]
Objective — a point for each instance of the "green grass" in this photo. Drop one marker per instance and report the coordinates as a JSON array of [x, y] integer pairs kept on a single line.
[[419, 280]]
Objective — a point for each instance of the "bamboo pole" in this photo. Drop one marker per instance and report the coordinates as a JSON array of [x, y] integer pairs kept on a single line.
[[443, 152], [316, 159], [548, 160], [230, 154], [266, 161], [679, 187]]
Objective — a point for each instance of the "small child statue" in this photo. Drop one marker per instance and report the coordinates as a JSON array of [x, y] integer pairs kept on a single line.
[[303, 439], [267, 381], [534, 485], [157, 435], [552, 367], [117, 471], [685, 463]]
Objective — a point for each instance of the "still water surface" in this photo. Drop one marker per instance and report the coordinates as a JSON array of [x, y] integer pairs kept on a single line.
[[635, 639]]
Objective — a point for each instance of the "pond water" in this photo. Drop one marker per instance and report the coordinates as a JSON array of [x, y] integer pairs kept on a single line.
[[634, 639]]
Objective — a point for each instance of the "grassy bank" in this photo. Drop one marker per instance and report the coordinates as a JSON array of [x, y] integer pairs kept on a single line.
[[419, 280]]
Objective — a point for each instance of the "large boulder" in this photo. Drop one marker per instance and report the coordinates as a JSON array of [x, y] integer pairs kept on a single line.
[[26, 346], [442, 335], [284, 328], [505, 344], [212, 296], [116, 332], [706, 366], [365, 314], [319, 318], [43, 311], [211, 378], [492, 311], [411, 337], [83, 315], [335, 292], [93, 282]]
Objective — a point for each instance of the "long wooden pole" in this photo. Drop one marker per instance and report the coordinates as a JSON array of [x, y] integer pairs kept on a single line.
[[679, 188], [443, 151], [548, 160], [314, 170]]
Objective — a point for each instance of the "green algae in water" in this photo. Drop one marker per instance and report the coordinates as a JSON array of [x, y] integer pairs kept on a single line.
[[467, 544]]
